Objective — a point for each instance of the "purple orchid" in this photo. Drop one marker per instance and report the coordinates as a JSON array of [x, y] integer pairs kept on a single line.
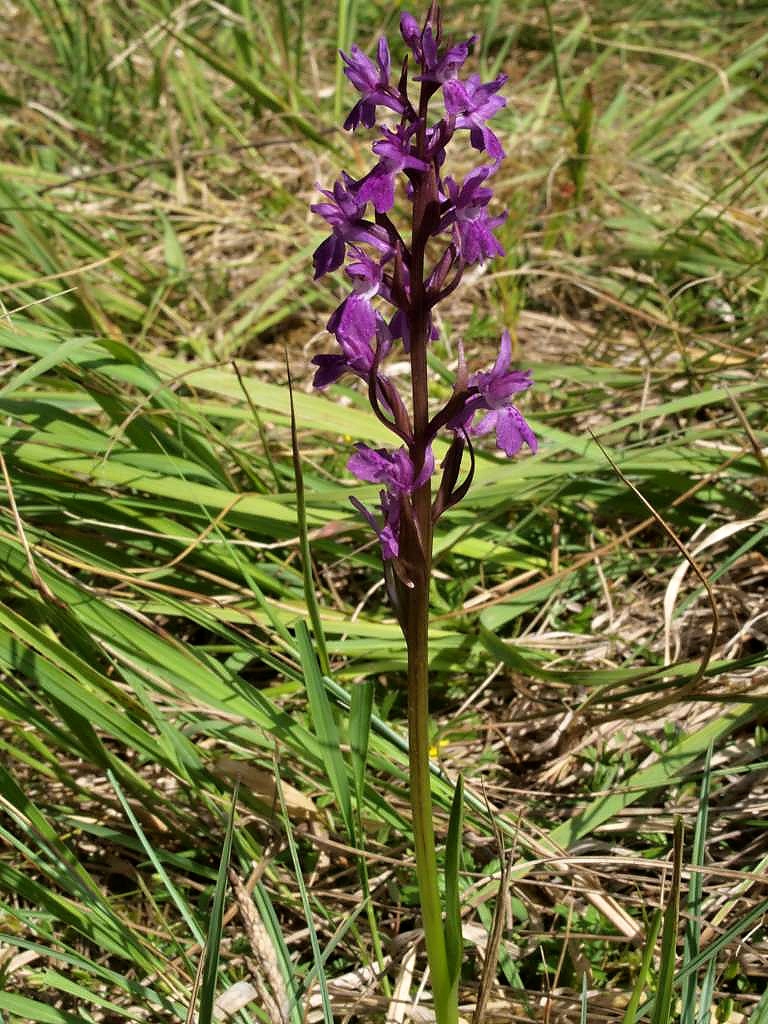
[[403, 258], [435, 66], [388, 266], [345, 213], [366, 274], [372, 82], [395, 153], [396, 470], [511, 430], [471, 104], [468, 212], [356, 325], [492, 390], [388, 532]]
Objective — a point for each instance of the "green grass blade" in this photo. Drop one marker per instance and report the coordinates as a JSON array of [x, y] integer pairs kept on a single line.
[[282, 952], [360, 714], [317, 958], [584, 1000], [707, 993], [38, 1013], [170, 888], [664, 1005], [43, 365], [215, 924], [692, 938], [326, 729], [643, 980], [454, 943], [306, 554], [759, 1014], [346, 14]]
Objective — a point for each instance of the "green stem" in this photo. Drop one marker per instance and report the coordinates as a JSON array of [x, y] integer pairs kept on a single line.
[[445, 994]]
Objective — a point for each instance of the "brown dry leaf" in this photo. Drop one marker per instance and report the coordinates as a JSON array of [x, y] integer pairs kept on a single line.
[[234, 999], [262, 785]]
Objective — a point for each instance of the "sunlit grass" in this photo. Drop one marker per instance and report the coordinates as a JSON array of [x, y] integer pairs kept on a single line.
[[157, 164]]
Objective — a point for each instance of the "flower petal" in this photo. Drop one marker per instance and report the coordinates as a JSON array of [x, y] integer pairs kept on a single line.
[[512, 431]]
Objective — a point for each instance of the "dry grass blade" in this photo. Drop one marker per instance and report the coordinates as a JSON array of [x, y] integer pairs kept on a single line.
[[491, 959], [275, 1000], [673, 587], [397, 1013], [753, 439], [690, 686], [35, 576]]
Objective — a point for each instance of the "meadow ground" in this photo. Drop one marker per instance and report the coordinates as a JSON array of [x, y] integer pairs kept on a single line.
[[603, 699]]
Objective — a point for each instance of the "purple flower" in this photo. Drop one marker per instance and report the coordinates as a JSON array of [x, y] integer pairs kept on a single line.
[[393, 261], [497, 384], [378, 186], [369, 280], [471, 104], [372, 83], [473, 228], [396, 470], [410, 30], [436, 66], [345, 213], [511, 429], [366, 273], [356, 324], [393, 468], [329, 255], [388, 532], [492, 390]]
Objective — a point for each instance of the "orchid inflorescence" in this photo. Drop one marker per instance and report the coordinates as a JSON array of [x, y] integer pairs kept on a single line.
[[397, 278], [411, 272]]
